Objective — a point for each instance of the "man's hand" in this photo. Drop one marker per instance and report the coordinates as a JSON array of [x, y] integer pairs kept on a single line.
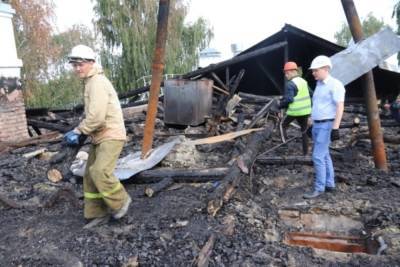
[[72, 138], [335, 134]]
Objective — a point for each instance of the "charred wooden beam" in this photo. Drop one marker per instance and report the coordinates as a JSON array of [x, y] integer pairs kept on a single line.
[[276, 160], [389, 123], [50, 125], [261, 113], [62, 160], [41, 139], [180, 175], [260, 98], [236, 82], [218, 80], [153, 189], [386, 138], [228, 185]]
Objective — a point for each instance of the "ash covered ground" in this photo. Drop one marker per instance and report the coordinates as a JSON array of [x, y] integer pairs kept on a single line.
[[43, 224]]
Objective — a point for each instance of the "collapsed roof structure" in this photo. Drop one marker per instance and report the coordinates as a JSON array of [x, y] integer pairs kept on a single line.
[[263, 64]]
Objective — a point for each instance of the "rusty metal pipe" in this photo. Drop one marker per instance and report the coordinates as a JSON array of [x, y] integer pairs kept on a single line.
[[374, 123], [156, 75]]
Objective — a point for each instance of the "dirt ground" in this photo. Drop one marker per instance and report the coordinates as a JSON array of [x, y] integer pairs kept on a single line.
[[171, 228]]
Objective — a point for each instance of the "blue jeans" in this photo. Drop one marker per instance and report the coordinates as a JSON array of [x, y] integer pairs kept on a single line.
[[323, 167]]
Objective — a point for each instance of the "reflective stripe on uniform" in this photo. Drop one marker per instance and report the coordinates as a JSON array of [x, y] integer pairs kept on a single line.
[[102, 194], [300, 108]]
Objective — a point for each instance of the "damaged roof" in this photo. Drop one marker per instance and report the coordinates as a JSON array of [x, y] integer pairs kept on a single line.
[[264, 74]]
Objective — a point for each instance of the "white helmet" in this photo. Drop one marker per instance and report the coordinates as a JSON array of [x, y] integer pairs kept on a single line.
[[81, 53], [321, 61]]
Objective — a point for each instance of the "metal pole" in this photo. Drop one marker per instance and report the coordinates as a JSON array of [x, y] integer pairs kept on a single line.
[[156, 78], [374, 123]]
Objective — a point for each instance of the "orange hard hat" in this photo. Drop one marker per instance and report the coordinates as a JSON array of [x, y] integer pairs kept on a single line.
[[290, 66]]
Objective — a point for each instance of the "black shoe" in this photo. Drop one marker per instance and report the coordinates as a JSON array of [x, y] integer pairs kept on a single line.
[[313, 194], [330, 189]]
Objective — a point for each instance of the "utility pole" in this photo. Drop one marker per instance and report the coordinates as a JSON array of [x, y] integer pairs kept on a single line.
[[374, 123], [156, 76]]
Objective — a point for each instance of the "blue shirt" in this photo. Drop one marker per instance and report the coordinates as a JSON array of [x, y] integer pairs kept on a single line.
[[327, 94]]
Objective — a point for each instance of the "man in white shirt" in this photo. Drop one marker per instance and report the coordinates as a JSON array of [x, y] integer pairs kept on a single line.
[[326, 114]]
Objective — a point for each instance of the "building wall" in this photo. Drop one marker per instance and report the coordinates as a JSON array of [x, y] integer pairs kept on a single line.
[[13, 125]]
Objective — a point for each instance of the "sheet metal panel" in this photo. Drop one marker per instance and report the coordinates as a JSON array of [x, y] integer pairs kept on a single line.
[[187, 102], [361, 57]]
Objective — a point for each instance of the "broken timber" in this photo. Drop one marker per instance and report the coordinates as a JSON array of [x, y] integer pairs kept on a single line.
[[227, 186], [164, 183], [271, 160], [205, 252], [180, 175], [50, 125]]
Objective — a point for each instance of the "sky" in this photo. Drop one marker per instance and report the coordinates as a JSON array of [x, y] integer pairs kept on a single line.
[[248, 22]]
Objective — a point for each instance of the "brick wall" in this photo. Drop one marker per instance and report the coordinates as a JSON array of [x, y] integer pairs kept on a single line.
[[13, 126]]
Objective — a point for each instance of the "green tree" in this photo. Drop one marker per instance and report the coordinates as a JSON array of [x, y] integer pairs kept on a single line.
[[65, 41], [33, 26], [370, 25], [129, 30], [63, 88], [396, 14]]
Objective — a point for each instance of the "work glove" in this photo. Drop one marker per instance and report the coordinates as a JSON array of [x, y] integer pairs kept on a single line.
[[72, 138], [335, 134]]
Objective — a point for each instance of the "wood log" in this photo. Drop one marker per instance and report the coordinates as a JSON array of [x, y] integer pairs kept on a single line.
[[384, 123], [63, 160], [50, 125], [131, 111], [180, 175], [226, 188], [54, 175], [218, 80], [220, 90], [41, 139], [236, 82], [261, 113], [164, 183], [261, 98], [205, 252], [271, 160], [386, 138], [34, 153]]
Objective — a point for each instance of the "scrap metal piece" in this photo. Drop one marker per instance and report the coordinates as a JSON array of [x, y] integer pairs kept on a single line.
[[363, 56], [187, 102], [132, 163]]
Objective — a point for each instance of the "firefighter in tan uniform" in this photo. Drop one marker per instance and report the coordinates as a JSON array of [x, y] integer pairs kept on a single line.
[[104, 195]]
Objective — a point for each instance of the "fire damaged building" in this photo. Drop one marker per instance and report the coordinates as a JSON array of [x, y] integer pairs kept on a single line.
[[263, 63]]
